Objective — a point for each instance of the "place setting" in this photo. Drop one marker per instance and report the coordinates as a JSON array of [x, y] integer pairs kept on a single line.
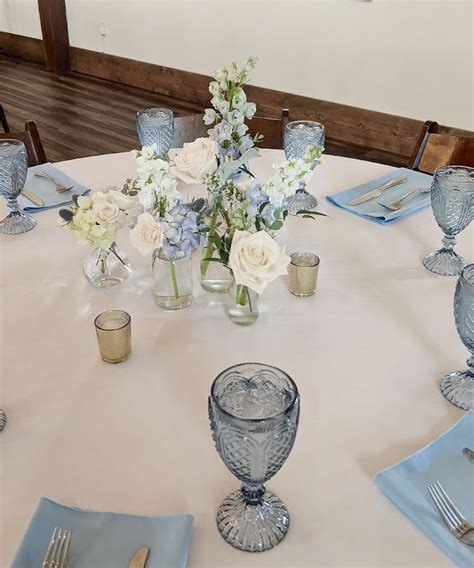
[[204, 325]]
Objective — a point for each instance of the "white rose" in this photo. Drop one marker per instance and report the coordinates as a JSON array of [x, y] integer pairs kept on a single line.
[[147, 234], [196, 159], [256, 259], [106, 213], [123, 201], [84, 202]]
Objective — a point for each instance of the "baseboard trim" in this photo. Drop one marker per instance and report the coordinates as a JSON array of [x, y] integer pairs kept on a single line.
[[22, 47]]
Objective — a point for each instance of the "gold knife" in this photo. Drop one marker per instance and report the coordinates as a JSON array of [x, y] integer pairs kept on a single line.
[[32, 197], [139, 558], [377, 191]]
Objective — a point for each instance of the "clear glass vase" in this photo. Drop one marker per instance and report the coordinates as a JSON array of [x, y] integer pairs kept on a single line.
[[215, 277], [172, 281], [106, 268], [242, 305]]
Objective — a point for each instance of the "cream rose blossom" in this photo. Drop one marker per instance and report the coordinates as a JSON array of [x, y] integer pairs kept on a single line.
[[147, 234], [196, 159], [256, 259], [103, 212]]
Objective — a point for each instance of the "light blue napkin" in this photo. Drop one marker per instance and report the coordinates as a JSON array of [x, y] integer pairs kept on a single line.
[[105, 540], [406, 485], [372, 211], [46, 189]]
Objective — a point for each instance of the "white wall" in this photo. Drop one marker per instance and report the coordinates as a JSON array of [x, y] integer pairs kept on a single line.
[[408, 57], [20, 17]]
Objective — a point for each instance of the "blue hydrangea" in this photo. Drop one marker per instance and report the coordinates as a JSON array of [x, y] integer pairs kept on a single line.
[[181, 232], [256, 197]]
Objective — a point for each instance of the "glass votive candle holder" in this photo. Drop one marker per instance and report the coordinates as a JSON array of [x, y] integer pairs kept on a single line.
[[303, 273], [113, 330]]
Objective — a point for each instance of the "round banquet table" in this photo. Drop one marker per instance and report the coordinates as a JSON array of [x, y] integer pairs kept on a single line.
[[367, 352]]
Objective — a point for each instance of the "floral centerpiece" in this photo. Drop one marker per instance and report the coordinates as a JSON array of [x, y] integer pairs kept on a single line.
[[167, 229], [250, 214], [95, 220]]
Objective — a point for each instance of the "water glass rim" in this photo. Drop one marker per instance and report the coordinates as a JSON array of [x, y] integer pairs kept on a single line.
[[315, 262], [446, 170], [162, 110], [465, 270], [128, 319], [309, 123], [286, 410]]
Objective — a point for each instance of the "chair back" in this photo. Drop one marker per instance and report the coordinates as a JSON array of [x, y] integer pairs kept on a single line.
[[32, 141], [3, 120], [435, 150], [272, 129], [187, 129]]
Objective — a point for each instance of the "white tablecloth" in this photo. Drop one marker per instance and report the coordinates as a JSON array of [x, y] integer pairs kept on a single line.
[[367, 352]]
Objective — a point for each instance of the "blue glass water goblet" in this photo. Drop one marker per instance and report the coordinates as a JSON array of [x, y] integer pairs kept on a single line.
[[13, 171], [156, 126], [254, 411], [458, 387], [299, 135], [452, 201]]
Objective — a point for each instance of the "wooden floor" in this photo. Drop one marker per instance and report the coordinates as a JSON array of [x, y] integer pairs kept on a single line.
[[76, 115]]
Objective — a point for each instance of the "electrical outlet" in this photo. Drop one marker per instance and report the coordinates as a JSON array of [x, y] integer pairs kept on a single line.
[[102, 29]]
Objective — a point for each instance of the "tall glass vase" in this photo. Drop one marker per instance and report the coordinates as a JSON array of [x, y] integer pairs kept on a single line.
[[242, 304], [172, 281], [215, 277], [106, 268]]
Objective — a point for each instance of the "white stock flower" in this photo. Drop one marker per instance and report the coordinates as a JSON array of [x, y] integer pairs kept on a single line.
[[209, 116], [256, 259], [239, 99], [196, 159], [147, 234], [250, 109], [214, 88], [147, 196]]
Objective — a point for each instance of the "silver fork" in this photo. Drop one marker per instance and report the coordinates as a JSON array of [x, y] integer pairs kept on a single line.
[[58, 549], [396, 205], [59, 186], [450, 514]]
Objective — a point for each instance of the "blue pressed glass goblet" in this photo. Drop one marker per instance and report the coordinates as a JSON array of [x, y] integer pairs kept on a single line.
[[452, 201], [13, 171], [458, 387], [300, 134], [254, 411], [156, 126]]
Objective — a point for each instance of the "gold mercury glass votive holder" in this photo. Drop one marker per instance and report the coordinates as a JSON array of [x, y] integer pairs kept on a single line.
[[303, 273], [113, 330]]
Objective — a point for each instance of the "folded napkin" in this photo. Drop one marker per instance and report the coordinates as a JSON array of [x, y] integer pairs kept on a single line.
[[372, 211], [105, 540], [46, 190], [406, 485]]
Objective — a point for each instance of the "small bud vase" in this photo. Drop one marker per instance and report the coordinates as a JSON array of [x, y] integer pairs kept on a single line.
[[172, 281], [106, 268], [242, 306], [215, 277]]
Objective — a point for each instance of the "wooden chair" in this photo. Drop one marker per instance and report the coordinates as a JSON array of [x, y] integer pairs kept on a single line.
[[3, 120], [188, 128], [272, 129], [32, 141], [435, 150]]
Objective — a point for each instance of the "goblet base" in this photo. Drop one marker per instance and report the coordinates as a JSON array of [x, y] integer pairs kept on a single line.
[[16, 223], [458, 388], [253, 527], [445, 262], [302, 200]]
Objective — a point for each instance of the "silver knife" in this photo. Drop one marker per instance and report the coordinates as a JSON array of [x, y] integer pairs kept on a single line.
[[139, 558], [377, 191], [32, 197]]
